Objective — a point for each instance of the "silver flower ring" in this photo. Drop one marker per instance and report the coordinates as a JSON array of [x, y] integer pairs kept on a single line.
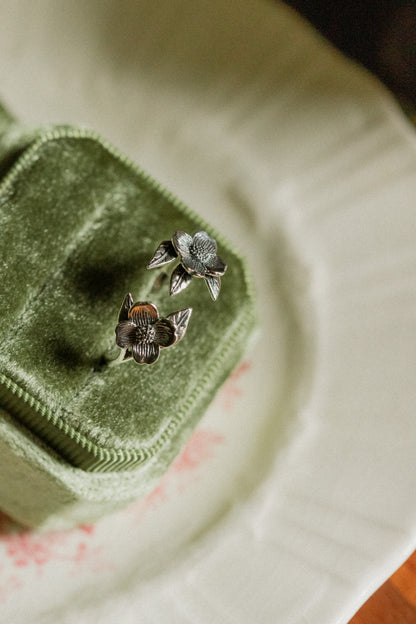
[[198, 258]]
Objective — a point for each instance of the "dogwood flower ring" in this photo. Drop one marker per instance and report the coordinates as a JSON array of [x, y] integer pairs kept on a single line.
[[141, 333], [198, 258]]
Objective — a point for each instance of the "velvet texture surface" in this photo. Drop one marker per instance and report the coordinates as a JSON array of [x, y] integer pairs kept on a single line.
[[79, 225]]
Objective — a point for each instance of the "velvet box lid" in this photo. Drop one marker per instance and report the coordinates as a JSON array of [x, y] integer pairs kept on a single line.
[[79, 223]]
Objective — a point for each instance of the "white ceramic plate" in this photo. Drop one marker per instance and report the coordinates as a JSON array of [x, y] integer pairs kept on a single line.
[[295, 498]]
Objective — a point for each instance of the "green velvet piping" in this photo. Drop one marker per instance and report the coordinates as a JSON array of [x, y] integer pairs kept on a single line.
[[75, 446]]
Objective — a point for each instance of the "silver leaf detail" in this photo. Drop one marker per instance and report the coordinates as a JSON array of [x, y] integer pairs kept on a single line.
[[180, 322], [124, 310], [164, 254], [179, 280], [214, 285]]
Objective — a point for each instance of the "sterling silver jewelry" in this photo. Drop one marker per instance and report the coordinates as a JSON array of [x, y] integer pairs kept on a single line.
[[198, 258], [141, 332]]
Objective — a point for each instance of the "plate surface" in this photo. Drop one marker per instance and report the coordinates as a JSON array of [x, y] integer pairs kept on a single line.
[[294, 499]]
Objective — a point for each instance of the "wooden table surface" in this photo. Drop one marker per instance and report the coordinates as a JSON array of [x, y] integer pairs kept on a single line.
[[395, 601]]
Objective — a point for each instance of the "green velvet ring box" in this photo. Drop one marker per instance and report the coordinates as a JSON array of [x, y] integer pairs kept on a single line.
[[79, 223]]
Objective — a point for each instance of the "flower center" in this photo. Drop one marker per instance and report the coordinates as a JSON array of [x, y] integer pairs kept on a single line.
[[145, 334]]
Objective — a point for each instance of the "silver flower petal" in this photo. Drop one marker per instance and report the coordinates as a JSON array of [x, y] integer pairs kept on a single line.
[[125, 334], [146, 352], [143, 313], [164, 254], [203, 245], [165, 335], [214, 285], [216, 266], [193, 265], [179, 280], [182, 242]]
